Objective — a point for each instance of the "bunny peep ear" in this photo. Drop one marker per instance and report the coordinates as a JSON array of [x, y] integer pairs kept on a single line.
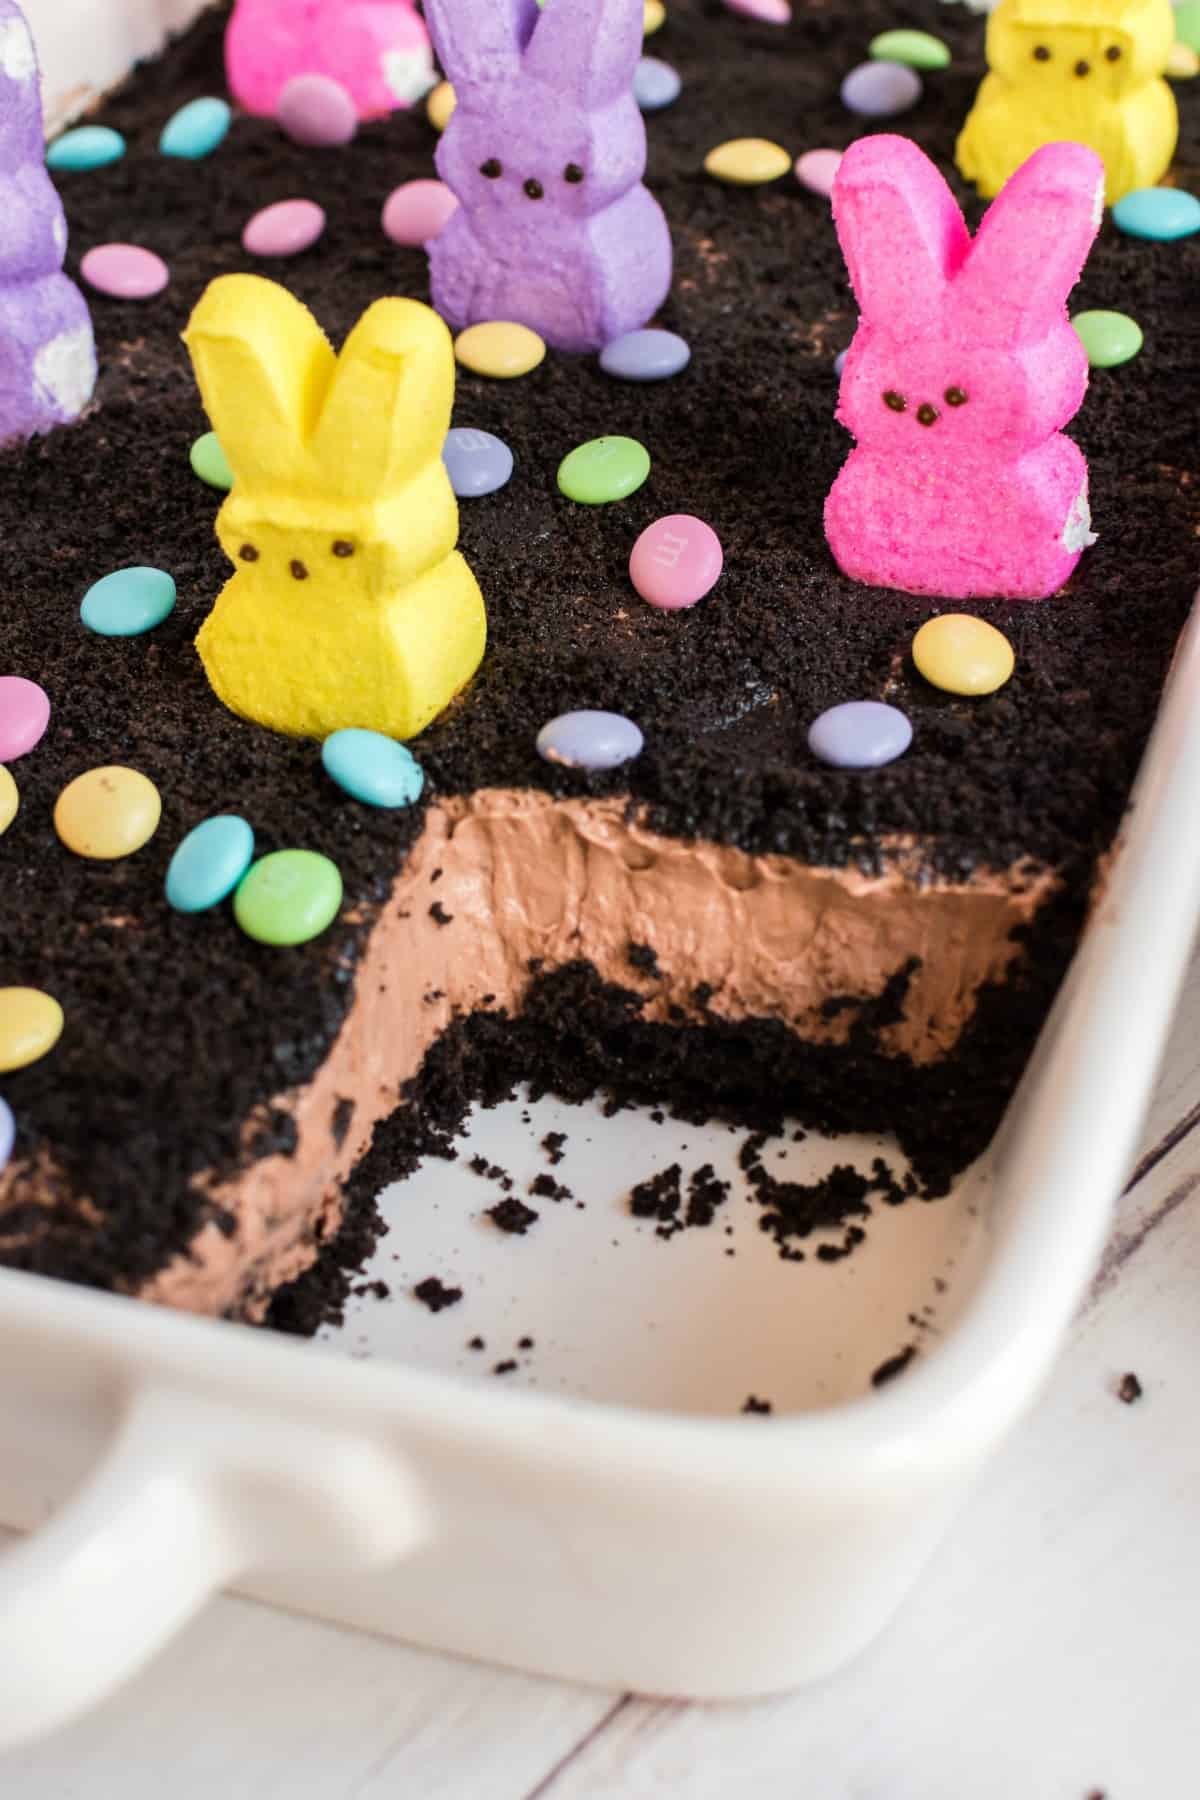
[[900, 228], [263, 365], [388, 408], [480, 41], [587, 50], [1032, 244]]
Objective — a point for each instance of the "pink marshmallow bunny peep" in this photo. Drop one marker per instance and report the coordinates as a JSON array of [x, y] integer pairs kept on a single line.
[[377, 50], [47, 352], [545, 150], [961, 373]]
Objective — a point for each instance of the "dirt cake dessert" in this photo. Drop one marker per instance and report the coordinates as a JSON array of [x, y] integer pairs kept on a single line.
[[725, 923]]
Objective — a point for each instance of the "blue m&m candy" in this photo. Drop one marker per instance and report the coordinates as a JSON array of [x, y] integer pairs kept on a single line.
[[1158, 213], [209, 863], [372, 768], [196, 129]]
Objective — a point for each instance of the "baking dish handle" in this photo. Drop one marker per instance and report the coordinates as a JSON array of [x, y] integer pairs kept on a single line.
[[189, 1496]]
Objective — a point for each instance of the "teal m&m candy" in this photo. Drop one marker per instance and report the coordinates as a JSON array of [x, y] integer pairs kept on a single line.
[[128, 602], [607, 468], [1158, 213], [209, 863], [87, 147], [196, 129], [372, 768], [288, 897]]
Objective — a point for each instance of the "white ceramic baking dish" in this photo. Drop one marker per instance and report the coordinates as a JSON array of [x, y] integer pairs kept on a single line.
[[629, 1546]]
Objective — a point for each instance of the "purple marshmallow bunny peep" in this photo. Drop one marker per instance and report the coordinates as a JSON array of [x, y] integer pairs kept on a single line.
[[47, 352], [545, 150]]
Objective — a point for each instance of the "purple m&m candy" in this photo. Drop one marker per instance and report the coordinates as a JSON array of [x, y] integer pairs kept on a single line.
[[416, 211], [284, 229], [590, 740], [125, 271], [24, 715], [860, 734], [647, 355], [476, 462], [880, 90], [655, 84], [676, 561], [316, 111], [8, 1132]]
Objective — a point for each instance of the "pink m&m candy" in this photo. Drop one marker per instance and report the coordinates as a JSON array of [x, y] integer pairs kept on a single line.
[[316, 110], [816, 169], [125, 271], [771, 12], [284, 229], [415, 212], [676, 561], [24, 714]]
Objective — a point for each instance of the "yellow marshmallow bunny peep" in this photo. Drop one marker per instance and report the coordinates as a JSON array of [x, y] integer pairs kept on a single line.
[[349, 604], [1087, 71]]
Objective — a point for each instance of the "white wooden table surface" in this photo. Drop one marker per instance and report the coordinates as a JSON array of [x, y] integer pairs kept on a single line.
[[1050, 1653]]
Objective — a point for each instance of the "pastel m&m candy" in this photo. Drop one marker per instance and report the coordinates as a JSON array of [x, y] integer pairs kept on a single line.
[[1160, 214], [128, 602], [655, 84], [209, 863], [916, 49], [646, 355], [676, 561], [604, 469], [499, 348], [284, 229], [87, 147], [210, 462], [962, 654], [880, 90], [373, 768], [8, 1131], [654, 15], [125, 271], [1110, 338], [24, 715], [107, 813], [316, 111], [288, 897], [769, 12], [816, 169], [31, 1023], [416, 211], [10, 799], [747, 162], [440, 105], [196, 129], [589, 739], [477, 462], [860, 734]]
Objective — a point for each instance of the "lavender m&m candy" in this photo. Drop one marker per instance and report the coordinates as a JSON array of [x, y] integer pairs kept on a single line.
[[416, 211], [284, 229], [655, 84], [476, 462], [8, 1132], [676, 561], [880, 90], [816, 169], [24, 715], [646, 355], [839, 362], [316, 111], [125, 271], [860, 734], [590, 740]]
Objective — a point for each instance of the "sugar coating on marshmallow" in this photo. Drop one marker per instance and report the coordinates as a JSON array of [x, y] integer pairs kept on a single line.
[[963, 369]]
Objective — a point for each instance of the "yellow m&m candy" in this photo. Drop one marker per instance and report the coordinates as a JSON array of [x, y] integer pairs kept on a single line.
[[745, 162], [963, 655], [9, 799], [654, 15], [31, 1023], [107, 813], [440, 104], [499, 348]]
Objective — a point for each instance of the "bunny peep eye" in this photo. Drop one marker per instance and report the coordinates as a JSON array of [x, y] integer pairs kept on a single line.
[[1113, 53], [1082, 67], [534, 189], [573, 173], [927, 415], [954, 396], [247, 553], [1041, 53], [895, 401], [298, 569], [493, 168], [343, 547]]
